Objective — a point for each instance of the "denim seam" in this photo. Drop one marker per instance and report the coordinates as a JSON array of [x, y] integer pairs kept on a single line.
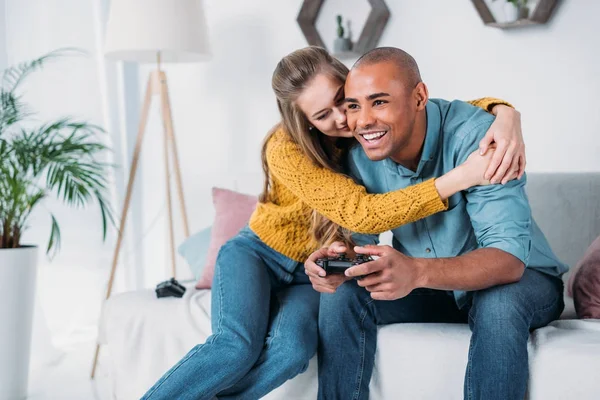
[[277, 324], [362, 350], [469, 360], [220, 323], [288, 278], [472, 317]]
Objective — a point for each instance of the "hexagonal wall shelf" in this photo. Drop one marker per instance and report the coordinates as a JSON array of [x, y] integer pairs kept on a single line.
[[369, 37], [539, 15]]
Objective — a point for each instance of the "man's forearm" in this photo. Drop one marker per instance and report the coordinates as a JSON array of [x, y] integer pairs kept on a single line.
[[477, 270]]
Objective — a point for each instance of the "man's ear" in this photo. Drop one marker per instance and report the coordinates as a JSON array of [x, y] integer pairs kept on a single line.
[[421, 95]]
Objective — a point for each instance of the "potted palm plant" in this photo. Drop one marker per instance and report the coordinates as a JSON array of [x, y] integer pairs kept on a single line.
[[59, 158]]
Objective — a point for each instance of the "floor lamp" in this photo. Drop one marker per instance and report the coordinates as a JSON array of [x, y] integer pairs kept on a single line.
[[154, 31]]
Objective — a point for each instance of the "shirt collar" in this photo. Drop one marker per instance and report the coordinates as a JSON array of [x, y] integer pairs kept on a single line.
[[430, 147], [432, 135]]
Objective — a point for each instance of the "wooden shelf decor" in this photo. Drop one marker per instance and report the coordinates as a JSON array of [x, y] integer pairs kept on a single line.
[[369, 37], [539, 15]]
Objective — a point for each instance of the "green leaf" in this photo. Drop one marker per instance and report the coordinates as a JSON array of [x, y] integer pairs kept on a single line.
[[107, 214], [54, 242], [12, 110]]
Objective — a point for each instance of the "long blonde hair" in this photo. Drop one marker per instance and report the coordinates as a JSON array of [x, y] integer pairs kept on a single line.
[[291, 76]]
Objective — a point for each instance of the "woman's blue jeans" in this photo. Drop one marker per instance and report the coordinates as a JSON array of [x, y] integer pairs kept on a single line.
[[264, 324]]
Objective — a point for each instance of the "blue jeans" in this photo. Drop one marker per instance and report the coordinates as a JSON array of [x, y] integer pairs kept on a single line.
[[264, 324], [500, 319]]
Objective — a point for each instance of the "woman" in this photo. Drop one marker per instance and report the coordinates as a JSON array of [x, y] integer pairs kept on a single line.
[[264, 310]]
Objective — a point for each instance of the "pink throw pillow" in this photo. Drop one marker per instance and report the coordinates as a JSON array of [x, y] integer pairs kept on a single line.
[[584, 284], [233, 211]]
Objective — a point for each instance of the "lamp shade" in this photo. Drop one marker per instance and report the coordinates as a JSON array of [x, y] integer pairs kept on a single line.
[[138, 29]]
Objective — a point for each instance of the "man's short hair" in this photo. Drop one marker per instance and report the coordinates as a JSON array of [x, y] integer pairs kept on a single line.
[[404, 61]]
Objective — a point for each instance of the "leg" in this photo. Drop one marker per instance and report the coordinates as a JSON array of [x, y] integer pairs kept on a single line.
[[132, 171], [169, 205], [290, 344], [501, 318], [168, 126], [348, 322], [240, 309]]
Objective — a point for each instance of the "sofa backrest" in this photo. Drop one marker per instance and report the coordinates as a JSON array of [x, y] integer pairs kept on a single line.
[[566, 206]]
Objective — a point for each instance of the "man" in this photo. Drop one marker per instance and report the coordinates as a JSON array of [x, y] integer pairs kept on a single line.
[[483, 261]]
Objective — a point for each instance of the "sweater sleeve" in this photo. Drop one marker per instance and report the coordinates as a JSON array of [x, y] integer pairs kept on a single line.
[[488, 103], [340, 199]]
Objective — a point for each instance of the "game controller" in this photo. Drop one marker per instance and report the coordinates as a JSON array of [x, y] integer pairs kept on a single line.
[[170, 288], [339, 264]]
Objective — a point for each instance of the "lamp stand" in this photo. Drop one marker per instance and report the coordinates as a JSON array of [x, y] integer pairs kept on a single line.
[[157, 85]]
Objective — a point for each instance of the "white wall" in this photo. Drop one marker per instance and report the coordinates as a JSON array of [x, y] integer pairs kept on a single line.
[[223, 108], [549, 72], [2, 34]]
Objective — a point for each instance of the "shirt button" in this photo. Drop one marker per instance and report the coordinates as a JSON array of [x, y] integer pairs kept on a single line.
[[428, 250]]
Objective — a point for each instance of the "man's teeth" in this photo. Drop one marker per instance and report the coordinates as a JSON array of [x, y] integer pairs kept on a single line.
[[376, 135]]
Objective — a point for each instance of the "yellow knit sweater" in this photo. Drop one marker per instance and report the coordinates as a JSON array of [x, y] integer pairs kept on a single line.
[[299, 186]]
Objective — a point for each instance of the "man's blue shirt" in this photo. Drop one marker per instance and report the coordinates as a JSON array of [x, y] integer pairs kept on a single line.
[[494, 216]]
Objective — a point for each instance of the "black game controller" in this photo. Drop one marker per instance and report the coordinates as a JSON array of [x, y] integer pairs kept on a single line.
[[170, 288], [339, 264]]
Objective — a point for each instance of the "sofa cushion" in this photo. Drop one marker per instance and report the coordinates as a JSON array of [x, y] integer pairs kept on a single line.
[[565, 361], [195, 251], [232, 213]]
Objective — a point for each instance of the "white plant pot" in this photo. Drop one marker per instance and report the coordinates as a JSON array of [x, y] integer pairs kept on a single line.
[[18, 271], [511, 12]]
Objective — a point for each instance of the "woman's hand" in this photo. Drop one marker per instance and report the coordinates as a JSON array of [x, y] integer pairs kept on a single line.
[[322, 282], [509, 160], [472, 171]]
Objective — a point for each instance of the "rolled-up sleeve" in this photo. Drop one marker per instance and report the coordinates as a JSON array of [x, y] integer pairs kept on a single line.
[[501, 217], [500, 214]]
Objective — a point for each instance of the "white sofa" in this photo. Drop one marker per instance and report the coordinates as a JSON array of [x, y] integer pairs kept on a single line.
[[144, 336]]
